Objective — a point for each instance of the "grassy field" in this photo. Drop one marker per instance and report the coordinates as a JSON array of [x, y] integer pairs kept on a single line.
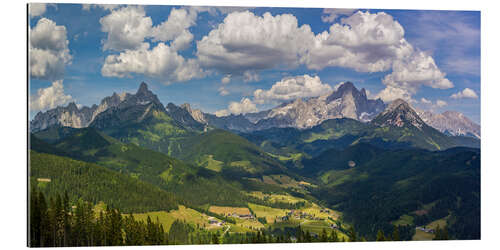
[[246, 225], [228, 210], [403, 220], [420, 235], [316, 211], [289, 157], [167, 218], [209, 162], [268, 212], [276, 197]]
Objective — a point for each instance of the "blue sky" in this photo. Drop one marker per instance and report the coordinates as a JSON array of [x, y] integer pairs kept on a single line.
[[216, 58]]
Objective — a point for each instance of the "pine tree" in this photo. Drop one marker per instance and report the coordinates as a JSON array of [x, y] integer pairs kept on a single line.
[[323, 237], [352, 234], [380, 235], [35, 218], [215, 239], [334, 236], [395, 234]]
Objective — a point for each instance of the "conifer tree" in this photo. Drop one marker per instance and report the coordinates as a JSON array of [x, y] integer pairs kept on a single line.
[[395, 234], [380, 235], [352, 234]]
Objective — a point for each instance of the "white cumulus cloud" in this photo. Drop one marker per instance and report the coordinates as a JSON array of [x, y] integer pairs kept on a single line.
[[161, 62], [466, 93], [244, 106], [292, 88], [391, 93], [129, 27], [48, 50], [176, 28], [245, 41], [364, 42], [409, 74], [126, 27], [50, 97], [222, 112]]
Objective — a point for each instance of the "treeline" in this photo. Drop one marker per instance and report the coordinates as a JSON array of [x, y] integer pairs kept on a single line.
[[56, 222]]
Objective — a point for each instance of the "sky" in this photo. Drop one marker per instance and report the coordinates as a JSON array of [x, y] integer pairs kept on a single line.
[[229, 60]]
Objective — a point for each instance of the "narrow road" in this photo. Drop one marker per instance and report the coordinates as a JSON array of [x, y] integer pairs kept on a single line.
[[228, 227]]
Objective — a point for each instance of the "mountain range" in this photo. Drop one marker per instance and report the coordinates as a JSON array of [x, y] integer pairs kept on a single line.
[[344, 102]]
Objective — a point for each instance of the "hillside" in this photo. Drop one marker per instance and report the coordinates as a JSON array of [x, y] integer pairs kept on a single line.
[[95, 183], [194, 184], [231, 152], [393, 183]]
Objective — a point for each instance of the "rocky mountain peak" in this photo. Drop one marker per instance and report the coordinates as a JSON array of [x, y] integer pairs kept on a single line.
[[143, 88], [363, 92], [452, 123], [72, 106], [398, 104], [347, 88], [399, 114]]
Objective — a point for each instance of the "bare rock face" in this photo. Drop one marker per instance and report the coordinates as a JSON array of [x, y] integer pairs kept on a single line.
[[72, 116], [69, 116], [452, 123], [399, 114], [345, 102], [195, 113]]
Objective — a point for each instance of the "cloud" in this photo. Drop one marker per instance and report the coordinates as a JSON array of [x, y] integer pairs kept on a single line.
[[391, 93], [425, 101], [409, 74], [222, 112], [223, 91], [161, 62], [176, 28], [441, 103], [48, 50], [109, 7], [126, 27], [50, 97], [434, 30], [244, 41], [38, 9], [292, 88], [226, 79], [330, 15], [364, 42], [250, 76], [244, 106], [466, 93]]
